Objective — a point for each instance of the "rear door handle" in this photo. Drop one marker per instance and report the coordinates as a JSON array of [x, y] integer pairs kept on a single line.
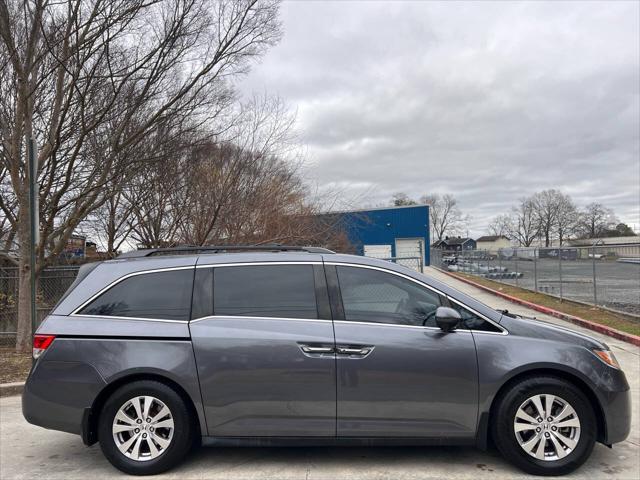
[[360, 351]]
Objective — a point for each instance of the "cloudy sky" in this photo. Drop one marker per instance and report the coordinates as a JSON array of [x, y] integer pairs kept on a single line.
[[488, 101]]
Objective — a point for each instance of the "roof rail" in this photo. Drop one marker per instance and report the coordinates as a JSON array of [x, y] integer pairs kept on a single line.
[[195, 249]]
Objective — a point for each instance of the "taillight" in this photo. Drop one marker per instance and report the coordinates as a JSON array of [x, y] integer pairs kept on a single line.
[[41, 343]]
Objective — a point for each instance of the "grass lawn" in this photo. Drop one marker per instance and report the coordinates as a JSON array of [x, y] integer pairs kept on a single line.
[[14, 367], [625, 323]]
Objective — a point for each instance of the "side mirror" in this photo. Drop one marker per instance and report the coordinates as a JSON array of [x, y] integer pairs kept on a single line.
[[447, 318]]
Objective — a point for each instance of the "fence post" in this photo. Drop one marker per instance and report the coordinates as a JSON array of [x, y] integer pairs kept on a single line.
[[560, 269], [516, 250], [595, 289], [535, 269]]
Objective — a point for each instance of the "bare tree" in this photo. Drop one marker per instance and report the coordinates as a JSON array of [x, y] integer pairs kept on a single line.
[[89, 79], [501, 225], [444, 214], [547, 205], [523, 224], [402, 199], [567, 219], [594, 220], [110, 225]]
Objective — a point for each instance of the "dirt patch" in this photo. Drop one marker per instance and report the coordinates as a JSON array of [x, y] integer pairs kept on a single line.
[[14, 367]]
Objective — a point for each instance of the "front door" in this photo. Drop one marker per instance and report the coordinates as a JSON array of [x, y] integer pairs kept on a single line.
[[264, 345], [398, 374]]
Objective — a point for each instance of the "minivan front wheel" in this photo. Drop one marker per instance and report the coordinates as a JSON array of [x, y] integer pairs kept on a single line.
[[145, 428], [545, 426]]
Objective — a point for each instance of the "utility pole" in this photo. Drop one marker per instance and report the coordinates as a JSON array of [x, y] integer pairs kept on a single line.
[[33, 225]]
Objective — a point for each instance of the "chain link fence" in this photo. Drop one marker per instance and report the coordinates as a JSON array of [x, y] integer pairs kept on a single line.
[[52, 284], [415, 263], [607, 276]]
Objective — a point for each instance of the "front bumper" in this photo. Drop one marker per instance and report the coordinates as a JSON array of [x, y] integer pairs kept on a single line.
[[617, 415]]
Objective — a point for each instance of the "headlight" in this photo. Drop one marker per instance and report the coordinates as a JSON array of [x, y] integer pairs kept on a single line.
[[607, 357]]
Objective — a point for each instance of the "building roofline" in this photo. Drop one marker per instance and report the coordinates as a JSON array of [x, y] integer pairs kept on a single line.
[[359, 210]]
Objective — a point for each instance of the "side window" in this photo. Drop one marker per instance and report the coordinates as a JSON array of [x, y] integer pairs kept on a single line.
[[202, 303], [374, 296], [471, 321], [286, 291], [161, 295]]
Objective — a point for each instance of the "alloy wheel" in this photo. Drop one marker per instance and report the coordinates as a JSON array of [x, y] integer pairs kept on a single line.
[[143, 428], [547, 427]]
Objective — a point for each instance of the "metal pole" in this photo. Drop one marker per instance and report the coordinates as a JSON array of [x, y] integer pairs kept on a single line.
[[560, 269], [33, 238], [535, 268], [595, 289], [516, 250]]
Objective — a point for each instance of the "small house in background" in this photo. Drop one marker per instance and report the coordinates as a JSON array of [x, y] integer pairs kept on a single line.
[[455, 244], [492, 243], [75, 248]]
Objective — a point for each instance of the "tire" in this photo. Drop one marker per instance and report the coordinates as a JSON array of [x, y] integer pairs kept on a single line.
[[164, 446], [560, 456]]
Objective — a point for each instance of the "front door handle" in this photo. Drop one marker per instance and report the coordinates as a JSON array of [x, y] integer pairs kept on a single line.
[[358, 351], [317, 350], [313, 349]]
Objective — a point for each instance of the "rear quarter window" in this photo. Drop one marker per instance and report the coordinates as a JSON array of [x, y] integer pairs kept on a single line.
[[158, 295]]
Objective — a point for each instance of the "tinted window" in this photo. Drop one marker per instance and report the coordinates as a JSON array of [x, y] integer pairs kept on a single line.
[[374, 296], [471, 321], [286, 291], [163, 295], [202, 304]]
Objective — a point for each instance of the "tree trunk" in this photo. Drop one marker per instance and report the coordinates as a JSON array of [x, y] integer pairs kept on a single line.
[[23, 336]]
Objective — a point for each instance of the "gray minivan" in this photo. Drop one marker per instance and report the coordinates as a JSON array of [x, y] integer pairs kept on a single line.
[[160, 350]]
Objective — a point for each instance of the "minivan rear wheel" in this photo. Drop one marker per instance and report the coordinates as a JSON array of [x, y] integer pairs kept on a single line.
[[145, 428], [544, 425]]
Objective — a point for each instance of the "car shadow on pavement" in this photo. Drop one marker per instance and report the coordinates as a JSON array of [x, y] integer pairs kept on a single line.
[[57, 455]]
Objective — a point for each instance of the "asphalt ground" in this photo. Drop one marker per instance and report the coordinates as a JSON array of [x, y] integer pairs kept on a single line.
[[28, 452]]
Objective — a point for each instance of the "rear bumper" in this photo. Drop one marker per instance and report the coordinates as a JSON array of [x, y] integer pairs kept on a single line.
[[56, 394]]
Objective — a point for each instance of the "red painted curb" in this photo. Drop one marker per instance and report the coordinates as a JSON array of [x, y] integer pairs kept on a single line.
[[596, 327]]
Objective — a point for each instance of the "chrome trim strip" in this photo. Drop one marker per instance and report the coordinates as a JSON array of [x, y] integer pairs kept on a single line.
[[250, 264], [256, 317], [118, 280], [107, 317], [378, 324], [503, 331]]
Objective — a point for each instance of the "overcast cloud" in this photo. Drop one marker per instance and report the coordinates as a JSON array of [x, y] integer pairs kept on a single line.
[[489, 101]]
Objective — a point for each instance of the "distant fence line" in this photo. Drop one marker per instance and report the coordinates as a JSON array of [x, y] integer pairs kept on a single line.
[[52, 284], [607, 276]]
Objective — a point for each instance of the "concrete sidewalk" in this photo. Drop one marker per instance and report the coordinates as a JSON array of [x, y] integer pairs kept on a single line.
[[28, 452]]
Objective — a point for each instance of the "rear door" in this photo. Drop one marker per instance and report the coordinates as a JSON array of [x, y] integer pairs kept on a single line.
[[264, 345], [398, 374]]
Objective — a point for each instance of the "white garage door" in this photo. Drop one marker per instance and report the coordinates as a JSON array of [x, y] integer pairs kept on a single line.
[[377, 251], [412, 250]]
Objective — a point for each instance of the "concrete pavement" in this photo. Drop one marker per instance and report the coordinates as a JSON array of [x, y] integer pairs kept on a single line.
[[28, 452]]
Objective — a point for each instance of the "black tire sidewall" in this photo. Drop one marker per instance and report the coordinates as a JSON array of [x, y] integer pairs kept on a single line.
[[505, 437], [182, 434]]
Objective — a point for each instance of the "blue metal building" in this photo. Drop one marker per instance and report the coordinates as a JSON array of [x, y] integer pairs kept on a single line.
[[398, 232]]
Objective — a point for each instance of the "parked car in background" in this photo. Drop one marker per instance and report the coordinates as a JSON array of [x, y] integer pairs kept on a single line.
[[156, 351]]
